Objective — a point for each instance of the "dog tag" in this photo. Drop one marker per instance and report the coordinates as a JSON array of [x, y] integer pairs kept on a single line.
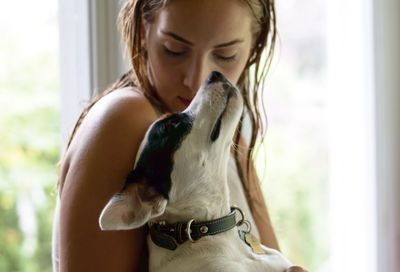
[[253, 242]]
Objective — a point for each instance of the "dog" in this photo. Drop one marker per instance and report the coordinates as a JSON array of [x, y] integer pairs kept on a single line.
[[179, 188]]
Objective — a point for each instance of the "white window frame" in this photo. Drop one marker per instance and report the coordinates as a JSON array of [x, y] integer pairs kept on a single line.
[[387, 120], [352, 138], [90, 54]]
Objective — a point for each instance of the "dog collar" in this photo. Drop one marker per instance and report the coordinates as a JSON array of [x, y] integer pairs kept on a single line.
[[169, 236]]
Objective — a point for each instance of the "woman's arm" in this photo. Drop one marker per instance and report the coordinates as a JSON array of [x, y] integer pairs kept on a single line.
[[259, 208], [257, 203], [260, 211], [100, 156]]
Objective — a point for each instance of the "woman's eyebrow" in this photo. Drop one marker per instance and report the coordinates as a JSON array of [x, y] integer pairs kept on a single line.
[[181, 39], [176, 37], [229, 43]]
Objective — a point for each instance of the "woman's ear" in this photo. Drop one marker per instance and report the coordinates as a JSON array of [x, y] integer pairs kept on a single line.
[[133, 207]]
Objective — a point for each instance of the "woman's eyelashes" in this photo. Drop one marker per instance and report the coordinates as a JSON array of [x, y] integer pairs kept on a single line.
[[227, 55], [172, 52], [182, 53], [226, 58]]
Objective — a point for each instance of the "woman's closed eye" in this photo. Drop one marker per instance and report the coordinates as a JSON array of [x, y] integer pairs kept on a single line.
[[226, 58], [174, 52], [226, 54]]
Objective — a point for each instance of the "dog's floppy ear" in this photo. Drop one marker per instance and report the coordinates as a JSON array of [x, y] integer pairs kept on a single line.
[[131, 208]]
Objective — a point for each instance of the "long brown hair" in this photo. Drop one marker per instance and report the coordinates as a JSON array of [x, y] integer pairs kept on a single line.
[[250, 83]]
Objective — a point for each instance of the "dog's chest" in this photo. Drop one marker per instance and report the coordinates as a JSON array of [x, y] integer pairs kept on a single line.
[[224, 252]]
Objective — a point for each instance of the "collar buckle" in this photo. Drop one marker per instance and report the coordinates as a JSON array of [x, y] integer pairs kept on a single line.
[[189, 231]]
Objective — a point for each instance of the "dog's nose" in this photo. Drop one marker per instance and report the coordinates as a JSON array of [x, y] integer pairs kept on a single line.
[[215, 77]]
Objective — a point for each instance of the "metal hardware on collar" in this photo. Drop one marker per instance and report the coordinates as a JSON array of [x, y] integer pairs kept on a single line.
[[248, 225], [241, 221], [152, 223], [188, 230], [203, 229]]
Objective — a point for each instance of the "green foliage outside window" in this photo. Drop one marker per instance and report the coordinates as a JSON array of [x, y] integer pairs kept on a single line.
[[29, 133]]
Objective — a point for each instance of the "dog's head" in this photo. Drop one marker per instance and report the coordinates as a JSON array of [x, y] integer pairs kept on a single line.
[[183, 155]]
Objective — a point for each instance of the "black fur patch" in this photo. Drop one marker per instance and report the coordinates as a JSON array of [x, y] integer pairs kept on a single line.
[[155, 162], [216, 130]]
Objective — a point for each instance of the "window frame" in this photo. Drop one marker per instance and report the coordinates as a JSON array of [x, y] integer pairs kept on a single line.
[[387, 119], [90, 55]]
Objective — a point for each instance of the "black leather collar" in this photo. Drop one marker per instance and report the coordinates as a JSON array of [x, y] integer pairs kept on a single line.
[[169, 236]]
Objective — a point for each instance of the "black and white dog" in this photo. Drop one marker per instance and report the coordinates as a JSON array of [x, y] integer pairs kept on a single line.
[[179, 187]]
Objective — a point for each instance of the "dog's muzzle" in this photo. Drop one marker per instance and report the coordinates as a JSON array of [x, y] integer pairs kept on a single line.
[[231, 91]]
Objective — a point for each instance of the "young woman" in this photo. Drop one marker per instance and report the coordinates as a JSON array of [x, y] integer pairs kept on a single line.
[[174, 45]]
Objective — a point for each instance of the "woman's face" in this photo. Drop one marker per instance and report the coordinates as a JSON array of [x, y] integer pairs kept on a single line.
[[188, 39]]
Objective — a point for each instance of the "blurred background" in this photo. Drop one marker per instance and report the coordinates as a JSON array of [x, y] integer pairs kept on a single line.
[[29, 132], [329, 162]]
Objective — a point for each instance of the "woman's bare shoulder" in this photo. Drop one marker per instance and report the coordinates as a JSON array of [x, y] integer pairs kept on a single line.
[[128, 102], [125, 110], [100, 157]]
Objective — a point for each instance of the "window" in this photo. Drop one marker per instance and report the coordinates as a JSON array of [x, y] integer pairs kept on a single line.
[[332, 146], [295, 160], [29, 132]]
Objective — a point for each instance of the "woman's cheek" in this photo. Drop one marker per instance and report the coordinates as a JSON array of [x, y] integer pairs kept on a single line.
[[165, 66], [232, 73], [232, 70]]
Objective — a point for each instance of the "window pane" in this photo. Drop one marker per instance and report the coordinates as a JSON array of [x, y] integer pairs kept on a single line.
[[29, 132], [293, 161]]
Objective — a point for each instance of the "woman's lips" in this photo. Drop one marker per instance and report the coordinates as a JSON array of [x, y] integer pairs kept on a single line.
[[184, 101]]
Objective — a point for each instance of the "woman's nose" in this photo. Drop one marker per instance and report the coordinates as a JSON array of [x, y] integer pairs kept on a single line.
[[196, 73]]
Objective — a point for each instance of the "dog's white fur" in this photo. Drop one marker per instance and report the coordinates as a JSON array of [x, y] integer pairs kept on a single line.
[[199, 190]]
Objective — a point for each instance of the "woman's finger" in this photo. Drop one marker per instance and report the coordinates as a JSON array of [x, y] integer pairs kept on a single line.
[[295, 269]]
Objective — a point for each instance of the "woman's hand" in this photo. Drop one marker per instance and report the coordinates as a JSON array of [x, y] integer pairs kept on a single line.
[[295, 269]]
